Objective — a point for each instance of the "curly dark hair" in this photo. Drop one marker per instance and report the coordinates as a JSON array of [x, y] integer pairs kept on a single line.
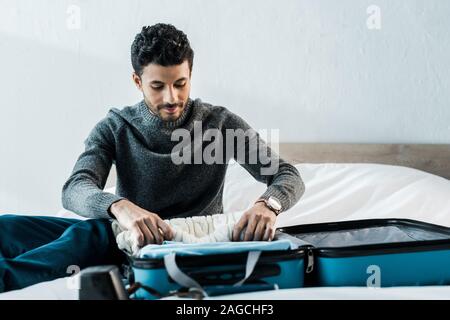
[[161, 44]]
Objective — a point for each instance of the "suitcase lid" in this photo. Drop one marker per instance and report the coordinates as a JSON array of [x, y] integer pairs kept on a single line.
[[368, 237]]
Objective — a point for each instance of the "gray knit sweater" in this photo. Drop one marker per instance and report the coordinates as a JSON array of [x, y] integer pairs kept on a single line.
[[139, 143]]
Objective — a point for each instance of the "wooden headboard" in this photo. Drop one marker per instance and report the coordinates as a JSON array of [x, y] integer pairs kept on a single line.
[[432, 158]]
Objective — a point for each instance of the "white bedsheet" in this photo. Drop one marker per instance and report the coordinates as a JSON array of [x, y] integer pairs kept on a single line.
[[334, 192], [59, 290]]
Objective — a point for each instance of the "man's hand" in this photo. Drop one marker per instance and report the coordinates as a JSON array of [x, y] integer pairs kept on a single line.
[[146, 227], [258, 223]]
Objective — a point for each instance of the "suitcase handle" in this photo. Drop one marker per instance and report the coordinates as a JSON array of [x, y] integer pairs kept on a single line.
[[185, 281]]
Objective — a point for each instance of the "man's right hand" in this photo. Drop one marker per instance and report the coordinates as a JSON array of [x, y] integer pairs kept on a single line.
[[146, 227]]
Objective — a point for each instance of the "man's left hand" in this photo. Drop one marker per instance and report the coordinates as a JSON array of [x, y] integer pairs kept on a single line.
[[258, 223]]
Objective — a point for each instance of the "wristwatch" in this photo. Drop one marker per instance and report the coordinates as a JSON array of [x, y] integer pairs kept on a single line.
[[272, 203]]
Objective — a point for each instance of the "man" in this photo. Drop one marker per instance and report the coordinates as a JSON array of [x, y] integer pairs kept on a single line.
[[152, 183]]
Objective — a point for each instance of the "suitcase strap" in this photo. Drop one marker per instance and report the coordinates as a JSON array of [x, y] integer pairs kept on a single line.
[[185, 281]]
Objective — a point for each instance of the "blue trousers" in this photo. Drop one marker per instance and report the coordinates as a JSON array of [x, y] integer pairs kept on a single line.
[[38, 248]]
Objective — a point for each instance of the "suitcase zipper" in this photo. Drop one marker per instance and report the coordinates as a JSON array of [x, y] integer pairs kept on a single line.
[[310, 265]]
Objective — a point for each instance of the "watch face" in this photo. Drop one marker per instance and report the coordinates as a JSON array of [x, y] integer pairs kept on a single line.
[[274, 203]]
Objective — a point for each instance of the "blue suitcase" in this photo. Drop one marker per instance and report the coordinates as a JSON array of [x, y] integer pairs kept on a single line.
[[374, 253], [228, 268]]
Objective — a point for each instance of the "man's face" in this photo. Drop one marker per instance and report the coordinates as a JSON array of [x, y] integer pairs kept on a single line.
[[166, 89]]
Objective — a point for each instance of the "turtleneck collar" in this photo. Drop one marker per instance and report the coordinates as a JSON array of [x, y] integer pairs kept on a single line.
[[152, 118]]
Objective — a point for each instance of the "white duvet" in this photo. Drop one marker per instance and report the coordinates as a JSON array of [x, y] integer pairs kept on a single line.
[[338, 192], [334, 192]]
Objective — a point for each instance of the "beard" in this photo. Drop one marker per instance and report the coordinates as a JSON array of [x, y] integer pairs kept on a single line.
[[170, 111], [167, 111]]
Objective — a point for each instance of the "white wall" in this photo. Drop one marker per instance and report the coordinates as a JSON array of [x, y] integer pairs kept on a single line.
[[312, 68]]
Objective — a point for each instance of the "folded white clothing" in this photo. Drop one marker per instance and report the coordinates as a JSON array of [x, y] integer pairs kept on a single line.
[[197, 229]]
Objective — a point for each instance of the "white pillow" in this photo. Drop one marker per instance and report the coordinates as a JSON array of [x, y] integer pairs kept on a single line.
[[337, 192]]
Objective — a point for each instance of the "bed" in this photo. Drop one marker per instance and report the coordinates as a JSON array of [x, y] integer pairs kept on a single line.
[[343, 182]]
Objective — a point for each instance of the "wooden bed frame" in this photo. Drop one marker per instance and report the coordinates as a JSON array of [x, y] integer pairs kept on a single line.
[[432, 158]]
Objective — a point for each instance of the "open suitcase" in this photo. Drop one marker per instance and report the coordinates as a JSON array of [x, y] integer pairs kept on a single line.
[[377, 252], [374, 253]]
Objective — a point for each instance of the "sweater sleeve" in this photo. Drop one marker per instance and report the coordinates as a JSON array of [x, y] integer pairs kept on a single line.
[[83, 191], [282, 179]]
